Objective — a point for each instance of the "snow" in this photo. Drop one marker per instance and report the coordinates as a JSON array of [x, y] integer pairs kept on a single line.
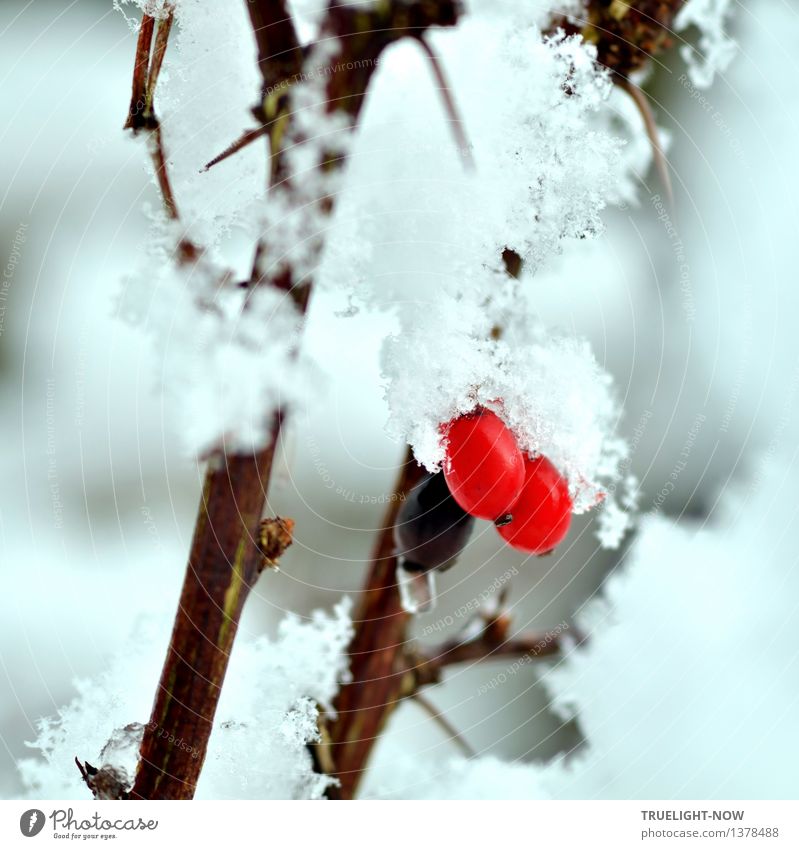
[[547, 162], [716, 48], [225, 358], [482, 778], [548, 159], [549, 389], [266, 716], [686, 686]]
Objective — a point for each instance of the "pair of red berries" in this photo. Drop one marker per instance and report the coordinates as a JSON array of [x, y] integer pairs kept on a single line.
[[490, 478]]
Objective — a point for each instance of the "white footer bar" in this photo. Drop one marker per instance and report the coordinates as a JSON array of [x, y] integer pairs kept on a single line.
[[384, 825]]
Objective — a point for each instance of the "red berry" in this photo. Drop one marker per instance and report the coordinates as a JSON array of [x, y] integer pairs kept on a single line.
[[542, 515], [483, 465]]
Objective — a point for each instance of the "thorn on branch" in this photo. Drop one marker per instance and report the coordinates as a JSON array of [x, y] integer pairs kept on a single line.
[[245, 139]]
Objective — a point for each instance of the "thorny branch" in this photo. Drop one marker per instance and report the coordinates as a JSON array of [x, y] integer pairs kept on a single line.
[[387, 667], [141, 112], [225, 561], [230, 545]]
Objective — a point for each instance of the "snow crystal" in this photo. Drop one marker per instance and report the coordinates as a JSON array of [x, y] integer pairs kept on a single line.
[[226, 355], [543, 176], [266, 716], [154, 8], [294, 217], [209, 84], [716, 48]]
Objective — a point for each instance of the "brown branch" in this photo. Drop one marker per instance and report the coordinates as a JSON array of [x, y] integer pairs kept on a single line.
[[224, 564], [378, 651], [141, 66], [141, 113], [225, 558], [229, 549], [226, 555]]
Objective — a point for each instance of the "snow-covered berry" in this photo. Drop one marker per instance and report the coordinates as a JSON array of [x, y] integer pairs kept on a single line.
[[483, 465], [542, 515]]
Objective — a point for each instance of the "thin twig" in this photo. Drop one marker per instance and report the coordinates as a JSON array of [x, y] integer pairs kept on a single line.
[[141, 113], [533, 645], [245, 139], [159, 51], [448, 728], [642, 103], [455, 120], [156, 147], [379, 673]]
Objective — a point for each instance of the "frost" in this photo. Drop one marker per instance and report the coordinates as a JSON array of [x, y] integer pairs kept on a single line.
[[543, 175], [266, 715], [226, 355], [716, 48], [294, 218], [686, 685], [204, 99], [155, 8]]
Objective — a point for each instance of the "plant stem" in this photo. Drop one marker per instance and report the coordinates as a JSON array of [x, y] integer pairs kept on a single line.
[[224, 563], [377, 668], [224, 560]]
